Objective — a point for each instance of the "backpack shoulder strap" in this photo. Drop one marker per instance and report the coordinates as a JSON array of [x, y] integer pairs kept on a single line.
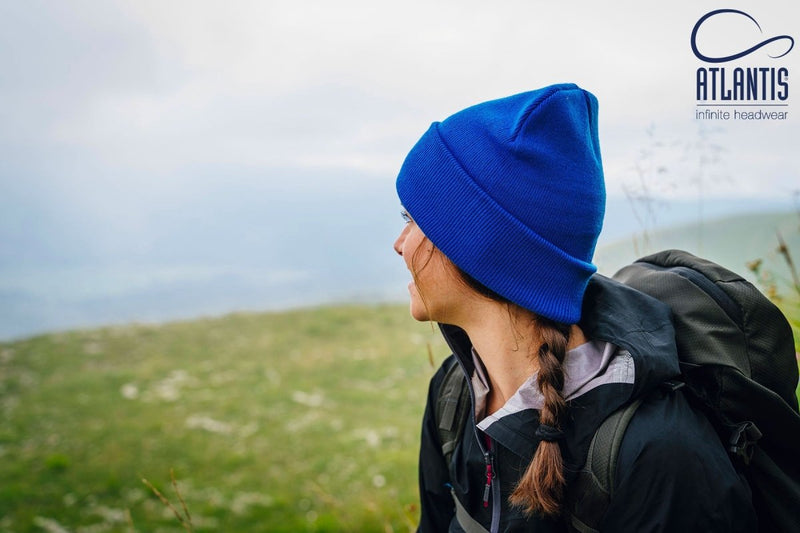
[[593, 488], [452, 409]]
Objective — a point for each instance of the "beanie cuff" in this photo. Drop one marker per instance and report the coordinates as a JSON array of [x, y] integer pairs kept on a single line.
[[485, 240]]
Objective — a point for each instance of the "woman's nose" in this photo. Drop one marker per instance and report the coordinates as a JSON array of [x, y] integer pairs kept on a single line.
[[398, 244]]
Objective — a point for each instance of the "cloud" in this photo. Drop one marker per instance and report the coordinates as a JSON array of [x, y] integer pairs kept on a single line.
[[161, 87]]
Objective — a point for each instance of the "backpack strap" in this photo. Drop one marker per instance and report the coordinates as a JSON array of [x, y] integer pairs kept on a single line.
[[452, 409], [593, 488], [590, 494], [467, 523]]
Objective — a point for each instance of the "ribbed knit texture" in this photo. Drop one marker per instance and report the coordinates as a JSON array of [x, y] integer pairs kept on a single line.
[[512, 192]]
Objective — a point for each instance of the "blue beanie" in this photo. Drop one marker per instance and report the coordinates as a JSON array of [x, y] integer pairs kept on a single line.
[[512, 192]]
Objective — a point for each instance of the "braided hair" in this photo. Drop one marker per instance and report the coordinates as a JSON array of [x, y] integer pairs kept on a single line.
[[541, 487]]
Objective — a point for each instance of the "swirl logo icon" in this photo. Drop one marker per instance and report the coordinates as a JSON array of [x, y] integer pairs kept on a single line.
[[788, 40]]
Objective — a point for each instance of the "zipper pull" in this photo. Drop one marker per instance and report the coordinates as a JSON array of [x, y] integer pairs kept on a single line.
[[488, 488]]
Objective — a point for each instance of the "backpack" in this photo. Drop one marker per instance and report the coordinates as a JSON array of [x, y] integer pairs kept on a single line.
[[738, 365]]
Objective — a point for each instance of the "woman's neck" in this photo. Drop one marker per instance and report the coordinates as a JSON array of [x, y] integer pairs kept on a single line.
[[507, 340]]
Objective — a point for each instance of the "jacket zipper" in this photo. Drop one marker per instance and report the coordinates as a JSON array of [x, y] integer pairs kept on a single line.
[[487, 456], [492, 486]]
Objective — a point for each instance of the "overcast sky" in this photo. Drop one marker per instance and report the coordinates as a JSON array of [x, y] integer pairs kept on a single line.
[[146, 91], [114, 112]]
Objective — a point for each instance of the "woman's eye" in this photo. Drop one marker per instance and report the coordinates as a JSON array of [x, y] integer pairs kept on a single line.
[[405, 216]]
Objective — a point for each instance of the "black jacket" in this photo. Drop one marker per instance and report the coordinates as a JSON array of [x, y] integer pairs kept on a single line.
[[673, 473]]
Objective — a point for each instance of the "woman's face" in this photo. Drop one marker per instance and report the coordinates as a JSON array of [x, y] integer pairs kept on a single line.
[[435, 289]]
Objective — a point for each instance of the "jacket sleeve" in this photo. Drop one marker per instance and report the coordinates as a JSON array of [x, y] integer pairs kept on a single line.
[[436, 503], [674, 475]]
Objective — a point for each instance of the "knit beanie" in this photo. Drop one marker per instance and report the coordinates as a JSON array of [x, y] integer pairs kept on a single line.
[[512, 192]]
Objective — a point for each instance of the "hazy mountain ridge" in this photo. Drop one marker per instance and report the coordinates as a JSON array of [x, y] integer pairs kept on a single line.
[[732, 241], [351, 263]]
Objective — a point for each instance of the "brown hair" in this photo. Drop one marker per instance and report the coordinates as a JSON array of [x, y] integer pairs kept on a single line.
[[541, 487], [415, 269]]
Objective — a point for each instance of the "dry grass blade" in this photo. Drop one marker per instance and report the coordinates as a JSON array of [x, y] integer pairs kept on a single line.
[[186, 525], [784, 251], [180, 497], [129, 520]]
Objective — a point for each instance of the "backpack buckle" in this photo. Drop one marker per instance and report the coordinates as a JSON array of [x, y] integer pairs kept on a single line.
[[743, 440], [671, 385]]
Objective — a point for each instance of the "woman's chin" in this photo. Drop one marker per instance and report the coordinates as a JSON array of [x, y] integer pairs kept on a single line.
[[420, 317], [418, 311], [417, 307]]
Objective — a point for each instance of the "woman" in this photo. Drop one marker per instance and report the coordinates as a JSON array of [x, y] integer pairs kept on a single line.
[[504, 202]]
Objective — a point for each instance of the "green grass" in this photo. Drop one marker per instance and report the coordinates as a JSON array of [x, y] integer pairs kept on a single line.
[[297, 421]]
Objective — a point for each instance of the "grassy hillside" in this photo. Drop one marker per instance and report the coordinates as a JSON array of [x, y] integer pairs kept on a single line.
[[296, 421], [730, 241]]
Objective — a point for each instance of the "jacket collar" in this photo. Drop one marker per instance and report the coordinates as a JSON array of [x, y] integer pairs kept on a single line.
[[601, 378]]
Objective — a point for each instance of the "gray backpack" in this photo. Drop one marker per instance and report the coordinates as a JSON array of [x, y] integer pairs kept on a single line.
[[739, 367]]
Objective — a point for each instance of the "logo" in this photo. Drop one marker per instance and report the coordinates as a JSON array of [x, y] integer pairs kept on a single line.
[[749, 51], [760, 82]]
